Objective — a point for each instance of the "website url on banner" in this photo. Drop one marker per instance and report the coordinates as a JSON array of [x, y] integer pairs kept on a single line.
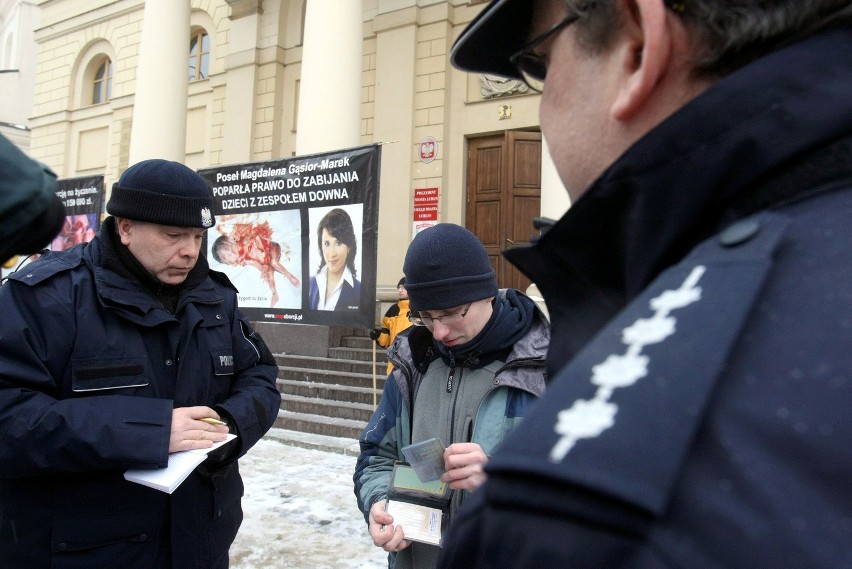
[[295, 317]]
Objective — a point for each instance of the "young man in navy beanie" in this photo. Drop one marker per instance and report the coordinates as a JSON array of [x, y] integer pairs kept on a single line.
[[465, 374], [133, 350]]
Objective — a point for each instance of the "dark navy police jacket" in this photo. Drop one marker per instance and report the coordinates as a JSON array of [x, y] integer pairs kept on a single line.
[[701, 297], [90, 370]]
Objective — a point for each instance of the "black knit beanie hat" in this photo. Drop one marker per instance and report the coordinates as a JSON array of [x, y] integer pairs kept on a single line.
[[447, 266], [162, 192]]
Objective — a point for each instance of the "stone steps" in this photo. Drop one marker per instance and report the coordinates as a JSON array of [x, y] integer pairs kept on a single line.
[[329, 398], [327, 393], [341, 445], [320, 424], [333, 364], [330, 377]]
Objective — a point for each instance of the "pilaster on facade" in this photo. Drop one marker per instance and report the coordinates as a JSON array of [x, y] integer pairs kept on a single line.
[[368, 90], [431, 96], [217, 118]]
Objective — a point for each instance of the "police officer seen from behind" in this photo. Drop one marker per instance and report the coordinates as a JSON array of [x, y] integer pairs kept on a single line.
[[465, 374], [698, 287], [112, 355], [31, 214]]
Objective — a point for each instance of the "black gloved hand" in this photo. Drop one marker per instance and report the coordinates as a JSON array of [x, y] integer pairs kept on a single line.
[[374, 334]]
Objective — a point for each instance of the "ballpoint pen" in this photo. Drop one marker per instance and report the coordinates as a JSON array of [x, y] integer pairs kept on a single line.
[[213, 421]]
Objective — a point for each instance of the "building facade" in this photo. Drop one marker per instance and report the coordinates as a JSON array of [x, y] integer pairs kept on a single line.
[[215, 82], [18, 20]]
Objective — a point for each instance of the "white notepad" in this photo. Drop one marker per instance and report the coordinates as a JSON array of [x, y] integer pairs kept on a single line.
[[180, 465]]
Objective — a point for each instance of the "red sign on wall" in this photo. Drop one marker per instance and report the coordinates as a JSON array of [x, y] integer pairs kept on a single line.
[[426, 204]]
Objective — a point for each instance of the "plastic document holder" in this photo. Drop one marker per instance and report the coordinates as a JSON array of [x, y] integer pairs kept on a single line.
[[421, 508]]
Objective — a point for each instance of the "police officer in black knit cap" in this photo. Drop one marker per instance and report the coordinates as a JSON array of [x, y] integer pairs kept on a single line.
[[464, 374], [112, 356]]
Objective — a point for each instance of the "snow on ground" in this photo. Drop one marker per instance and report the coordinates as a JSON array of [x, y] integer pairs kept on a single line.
[[300, 512]]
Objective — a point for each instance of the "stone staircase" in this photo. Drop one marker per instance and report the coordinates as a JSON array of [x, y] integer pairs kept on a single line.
[[327, 401]]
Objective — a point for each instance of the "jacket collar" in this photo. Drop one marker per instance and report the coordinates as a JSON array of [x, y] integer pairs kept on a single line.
[[686, 179], [120, 283]]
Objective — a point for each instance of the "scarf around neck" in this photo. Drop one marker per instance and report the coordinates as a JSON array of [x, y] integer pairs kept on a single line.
[[511, 318], [118, 259]]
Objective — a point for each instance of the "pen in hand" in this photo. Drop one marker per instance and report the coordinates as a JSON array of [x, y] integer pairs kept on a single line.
[[212, 421]]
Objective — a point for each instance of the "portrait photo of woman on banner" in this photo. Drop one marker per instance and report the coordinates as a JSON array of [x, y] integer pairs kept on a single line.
[[336, 254]]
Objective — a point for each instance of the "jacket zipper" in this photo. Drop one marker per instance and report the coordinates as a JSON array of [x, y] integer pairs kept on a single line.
[[455, 397], [450, 379]]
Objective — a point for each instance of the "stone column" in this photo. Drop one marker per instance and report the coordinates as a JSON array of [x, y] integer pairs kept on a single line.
[[162, 83], [330, 88]]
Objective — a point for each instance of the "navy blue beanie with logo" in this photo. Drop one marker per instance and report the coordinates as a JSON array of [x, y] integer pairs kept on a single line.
[[162, 192], [447, 266]]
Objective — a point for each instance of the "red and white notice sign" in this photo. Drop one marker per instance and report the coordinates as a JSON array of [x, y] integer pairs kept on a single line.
[[425, 208], [426, 204]]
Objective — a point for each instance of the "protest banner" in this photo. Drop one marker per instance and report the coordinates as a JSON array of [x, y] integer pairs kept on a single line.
[[297, 236]]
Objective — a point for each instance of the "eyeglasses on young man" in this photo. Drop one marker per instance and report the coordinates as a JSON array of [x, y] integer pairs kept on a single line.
[[419, 319]]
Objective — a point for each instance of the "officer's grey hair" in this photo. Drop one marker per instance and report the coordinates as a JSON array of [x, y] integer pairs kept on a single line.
[[728, 34]]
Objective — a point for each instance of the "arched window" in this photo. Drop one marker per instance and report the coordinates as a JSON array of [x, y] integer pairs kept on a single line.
[[102, 82], [199, 55]]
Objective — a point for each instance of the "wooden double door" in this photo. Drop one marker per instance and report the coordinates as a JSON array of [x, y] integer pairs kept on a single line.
[[503, 196]]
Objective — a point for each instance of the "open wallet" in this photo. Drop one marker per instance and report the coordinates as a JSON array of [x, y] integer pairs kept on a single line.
[[421, 508]]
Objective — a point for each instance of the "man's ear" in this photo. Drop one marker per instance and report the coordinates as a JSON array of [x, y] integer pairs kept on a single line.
[[646, 55], [123, 225]]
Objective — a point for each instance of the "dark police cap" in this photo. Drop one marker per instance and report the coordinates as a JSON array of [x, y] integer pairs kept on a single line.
[[162, 192], [498, 32]]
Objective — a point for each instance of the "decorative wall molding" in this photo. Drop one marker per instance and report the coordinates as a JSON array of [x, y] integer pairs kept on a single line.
[[492, 86], [240, 8]]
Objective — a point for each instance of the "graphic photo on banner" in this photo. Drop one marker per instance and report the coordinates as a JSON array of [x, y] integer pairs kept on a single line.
[[335, 257], [78, 228], [84, 203], [262, 255], [83, 199]]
